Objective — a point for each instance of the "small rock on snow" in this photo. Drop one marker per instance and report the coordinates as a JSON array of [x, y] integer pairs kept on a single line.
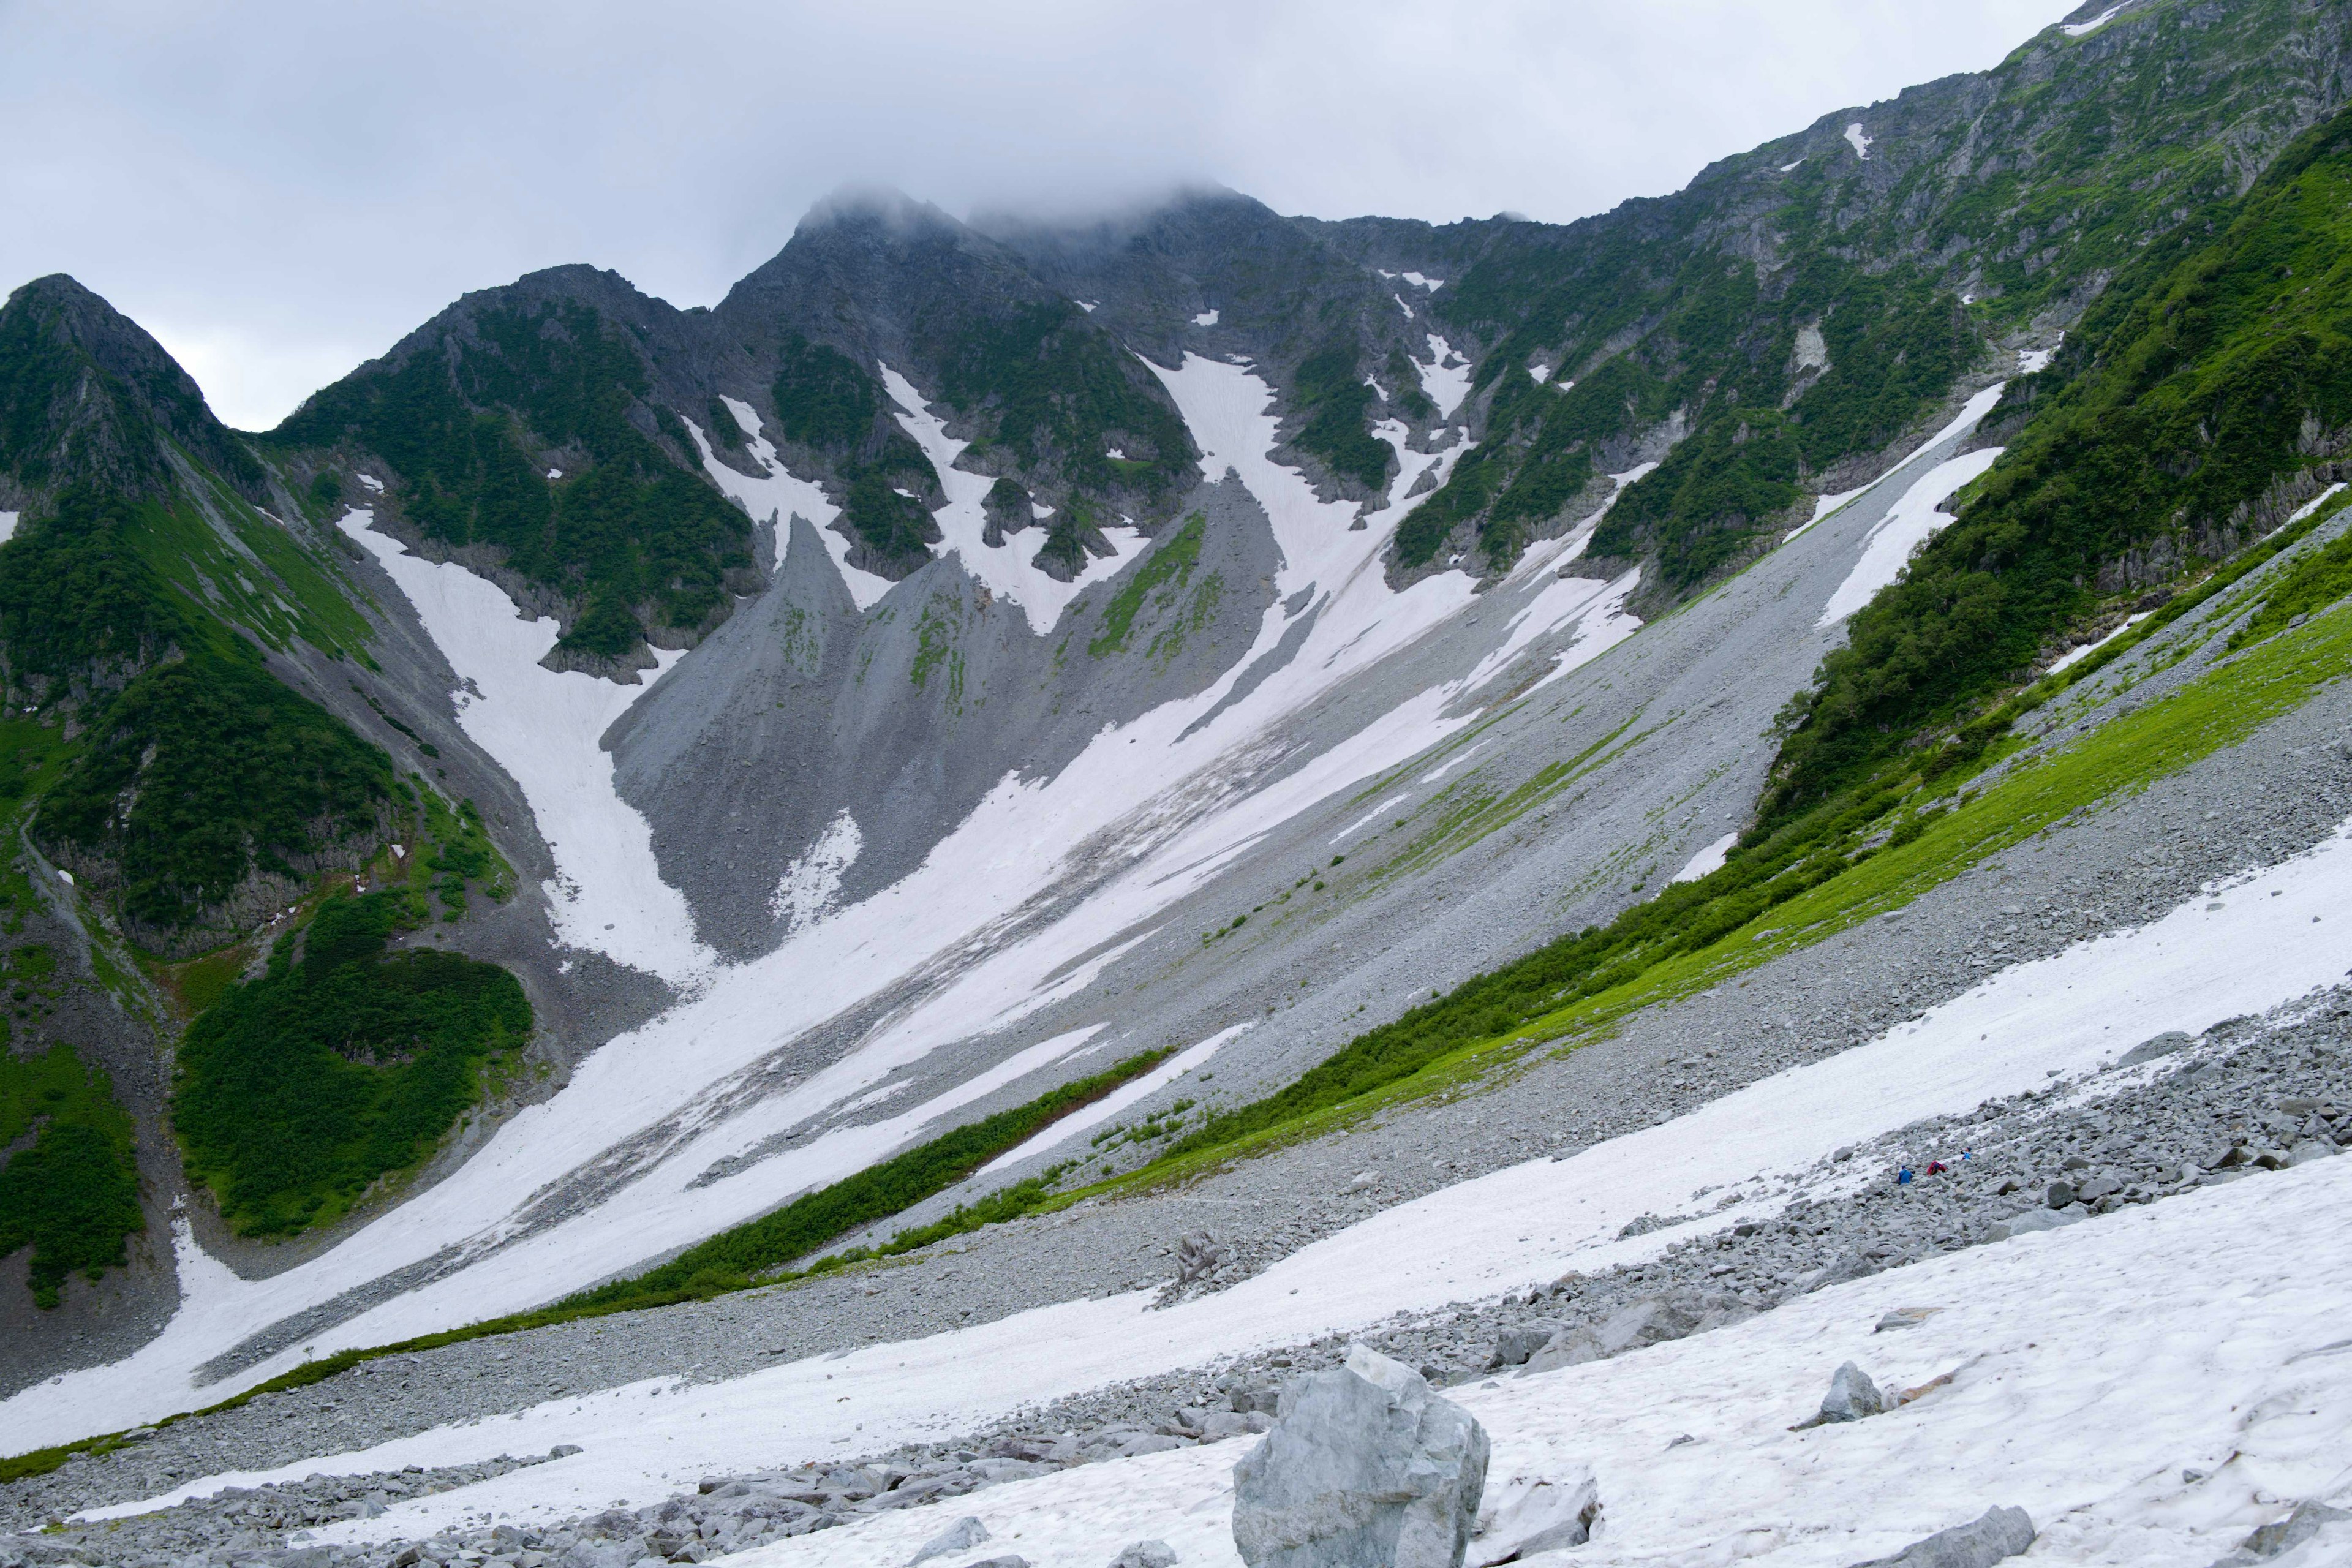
[[2000, 1535]]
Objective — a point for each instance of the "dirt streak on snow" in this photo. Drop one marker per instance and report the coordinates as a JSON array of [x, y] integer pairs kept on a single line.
[[2072, 1014]]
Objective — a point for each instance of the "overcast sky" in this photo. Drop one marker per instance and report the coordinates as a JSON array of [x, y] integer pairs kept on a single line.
[[279, 191]]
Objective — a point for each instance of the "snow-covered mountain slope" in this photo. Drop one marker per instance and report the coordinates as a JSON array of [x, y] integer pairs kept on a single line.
[[931, 745]]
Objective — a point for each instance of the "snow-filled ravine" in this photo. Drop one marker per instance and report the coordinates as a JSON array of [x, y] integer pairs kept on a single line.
[[1176, 797], [2254, 943]]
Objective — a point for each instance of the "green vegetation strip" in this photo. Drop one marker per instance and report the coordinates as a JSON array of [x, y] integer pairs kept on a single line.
[[748, 1254]]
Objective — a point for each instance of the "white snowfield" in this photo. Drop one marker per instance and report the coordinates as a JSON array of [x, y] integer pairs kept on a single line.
[[543, 728], [2275, 936], [1708, 859], [1177, 806], [2094, 1370]]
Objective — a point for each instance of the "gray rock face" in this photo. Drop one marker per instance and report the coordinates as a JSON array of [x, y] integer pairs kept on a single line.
[[1145, 1554], [2000, 1535], [1851, 1395], [1366, 1467], [962, 1536]]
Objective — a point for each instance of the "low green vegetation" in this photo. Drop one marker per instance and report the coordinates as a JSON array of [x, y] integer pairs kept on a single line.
[[1160, 582], [1056, 393], [2173, 430], [637, 539], [827, 400], [197, 766], [341, 1066], [1333, 397], [740, 1257], [72, 1193]]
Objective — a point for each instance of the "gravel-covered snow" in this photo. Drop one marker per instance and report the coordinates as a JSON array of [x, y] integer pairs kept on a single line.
[[2257, 942], [2149, 1389]]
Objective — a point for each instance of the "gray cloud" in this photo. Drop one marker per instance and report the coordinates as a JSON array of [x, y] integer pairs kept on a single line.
[[278, 190]]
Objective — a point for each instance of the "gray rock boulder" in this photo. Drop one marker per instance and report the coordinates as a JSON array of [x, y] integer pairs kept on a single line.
[[1529, 1514], [1646, 1322], [2162, 1045], [2279, 1542], [1573, 1346], [2000, 1535], [962, 1536], [1145, 1554], [2032, 1220], [1515, 1345], [1366, 1467], [1851, 1395], [1199, 1255]]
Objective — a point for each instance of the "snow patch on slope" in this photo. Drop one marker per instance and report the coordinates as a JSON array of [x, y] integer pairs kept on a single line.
[[804, 893], [780, 495], [1007, 569], [1908, 523], [1447, 384], [2077, 30], [545, 728], [1709, 859], [1859, 140]]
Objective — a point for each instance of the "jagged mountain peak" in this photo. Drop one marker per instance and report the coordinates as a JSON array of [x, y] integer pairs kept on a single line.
[[87, 396]]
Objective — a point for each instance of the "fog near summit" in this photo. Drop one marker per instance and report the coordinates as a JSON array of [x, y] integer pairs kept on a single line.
[[281, 191]]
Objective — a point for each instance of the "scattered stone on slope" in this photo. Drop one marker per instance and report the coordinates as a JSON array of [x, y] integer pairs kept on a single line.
[[1852, 1397], [1999, 1534], [1366, 1467]]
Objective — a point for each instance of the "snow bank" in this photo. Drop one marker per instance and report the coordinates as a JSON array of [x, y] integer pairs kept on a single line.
[[1205, 319], [7, 526], [2274, 936], [2087, 650], [1858, 139], [1908, 523], [778, 495], [1708, 859], [1447, 384], [544, 728]]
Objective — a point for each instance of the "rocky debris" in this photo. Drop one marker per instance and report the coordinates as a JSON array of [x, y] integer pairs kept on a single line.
[[1199, 1255], [1367, 1467], [1145, 1554], [1529, 1514], [1999, 1534], [962, 1536], [1852, 1397], [2306, 1525]]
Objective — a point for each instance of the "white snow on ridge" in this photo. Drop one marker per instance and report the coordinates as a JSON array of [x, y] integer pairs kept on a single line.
[[781, 495], [544, 728], [1858, 140], [1709, 859], [2069, 1014], [2077, 30]]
